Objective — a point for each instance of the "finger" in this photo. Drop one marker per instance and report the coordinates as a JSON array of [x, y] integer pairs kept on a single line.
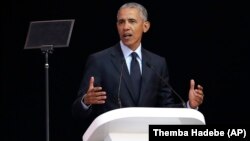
[[91, 83], [199, 92], [200, 87], [199, 97], [93, 96], [96, 89], [102, 97], [199, 100], [98, 100], [101, 93], [192, 84]]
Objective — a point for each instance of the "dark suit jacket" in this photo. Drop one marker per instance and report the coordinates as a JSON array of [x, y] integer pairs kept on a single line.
[[106, 66]]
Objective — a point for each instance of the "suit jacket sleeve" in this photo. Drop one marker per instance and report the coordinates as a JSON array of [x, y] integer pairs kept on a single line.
[[92, 68]]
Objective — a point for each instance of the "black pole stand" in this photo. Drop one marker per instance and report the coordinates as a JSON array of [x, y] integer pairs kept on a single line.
[[48, 49]]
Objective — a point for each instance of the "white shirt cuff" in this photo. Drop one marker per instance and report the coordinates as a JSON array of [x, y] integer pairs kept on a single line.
[[83, 104]]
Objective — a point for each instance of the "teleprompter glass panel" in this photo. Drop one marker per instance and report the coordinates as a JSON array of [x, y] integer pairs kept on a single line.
[[54, 33]]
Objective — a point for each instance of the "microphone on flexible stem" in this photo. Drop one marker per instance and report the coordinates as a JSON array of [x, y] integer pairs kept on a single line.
[[167, 84], [119, 86]]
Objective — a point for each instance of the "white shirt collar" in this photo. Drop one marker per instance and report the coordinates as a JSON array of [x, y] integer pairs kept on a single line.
[[127, 51]]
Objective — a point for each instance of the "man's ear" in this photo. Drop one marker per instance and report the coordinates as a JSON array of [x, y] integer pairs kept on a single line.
[[146, 26]]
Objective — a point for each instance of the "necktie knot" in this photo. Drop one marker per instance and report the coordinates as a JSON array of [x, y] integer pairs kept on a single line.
[[134, 55]]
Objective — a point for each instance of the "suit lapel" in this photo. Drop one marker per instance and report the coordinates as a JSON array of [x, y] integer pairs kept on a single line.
[[118, 61], [146, 72]]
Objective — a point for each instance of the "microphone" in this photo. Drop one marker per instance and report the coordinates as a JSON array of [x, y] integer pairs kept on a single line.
[[167, 84], [119, 86]]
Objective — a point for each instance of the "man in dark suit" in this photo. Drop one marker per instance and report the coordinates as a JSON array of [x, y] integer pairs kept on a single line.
[[111, 81]]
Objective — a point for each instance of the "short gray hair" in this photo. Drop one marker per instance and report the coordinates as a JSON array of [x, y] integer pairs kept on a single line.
[[141, 8]]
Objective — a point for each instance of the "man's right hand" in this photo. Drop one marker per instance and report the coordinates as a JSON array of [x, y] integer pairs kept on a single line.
[[94, 95]]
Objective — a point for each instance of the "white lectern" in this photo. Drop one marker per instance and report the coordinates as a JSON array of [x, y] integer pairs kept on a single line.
[[132, 124]]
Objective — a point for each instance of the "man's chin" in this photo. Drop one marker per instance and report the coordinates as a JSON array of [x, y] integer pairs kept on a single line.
[[127, 42]]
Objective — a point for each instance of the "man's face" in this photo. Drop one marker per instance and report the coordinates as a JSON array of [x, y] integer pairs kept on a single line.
[[131, 26]]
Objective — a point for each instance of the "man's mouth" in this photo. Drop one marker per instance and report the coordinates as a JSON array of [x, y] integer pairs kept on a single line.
[[127, 36]]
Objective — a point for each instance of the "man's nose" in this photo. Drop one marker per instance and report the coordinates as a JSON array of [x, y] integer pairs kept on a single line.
[[126, 26]]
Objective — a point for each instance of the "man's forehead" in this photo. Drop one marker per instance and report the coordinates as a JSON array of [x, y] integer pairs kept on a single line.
[[128, 13]]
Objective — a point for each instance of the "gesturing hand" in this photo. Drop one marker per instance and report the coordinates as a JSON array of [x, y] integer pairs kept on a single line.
[[94, 95], [196, 96]]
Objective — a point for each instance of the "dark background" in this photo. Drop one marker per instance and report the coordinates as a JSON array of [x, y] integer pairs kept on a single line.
[[204, 40]]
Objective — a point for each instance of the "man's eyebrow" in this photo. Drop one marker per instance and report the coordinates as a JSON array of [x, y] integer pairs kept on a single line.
[[131, 19]]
